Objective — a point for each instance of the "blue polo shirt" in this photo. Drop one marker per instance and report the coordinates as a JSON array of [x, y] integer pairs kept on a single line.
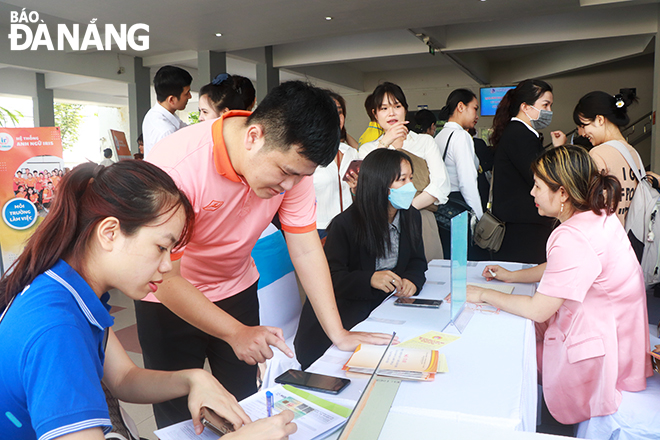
[[51, 358]]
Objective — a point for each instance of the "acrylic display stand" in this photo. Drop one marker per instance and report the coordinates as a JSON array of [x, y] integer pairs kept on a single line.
[[459, 314]]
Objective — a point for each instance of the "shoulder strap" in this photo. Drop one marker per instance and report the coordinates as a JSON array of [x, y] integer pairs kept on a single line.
[[489, 206], [444, 155], [618, 145]]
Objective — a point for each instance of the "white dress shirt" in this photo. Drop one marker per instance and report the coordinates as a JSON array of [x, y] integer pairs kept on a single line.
[[158, 123], [462, 164], [422, 145], [326, 186]]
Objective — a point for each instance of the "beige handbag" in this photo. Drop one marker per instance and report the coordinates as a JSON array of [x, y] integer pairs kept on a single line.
[[489, 232]]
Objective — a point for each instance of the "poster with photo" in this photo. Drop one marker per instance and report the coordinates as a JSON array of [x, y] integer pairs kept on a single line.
[[31, 167]]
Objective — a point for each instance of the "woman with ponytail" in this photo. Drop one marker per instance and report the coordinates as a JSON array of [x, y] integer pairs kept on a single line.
[[521, 114], [108, 228], [590, 306], [601, 117], [226, 92], [457, 147]]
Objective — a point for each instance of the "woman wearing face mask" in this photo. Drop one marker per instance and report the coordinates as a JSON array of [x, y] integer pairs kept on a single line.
[[431, 178], [600, 117], [225, 93], [374, 248], [521, 114]]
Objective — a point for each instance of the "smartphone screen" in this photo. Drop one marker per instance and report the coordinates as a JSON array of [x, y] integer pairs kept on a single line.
[[418, 302], [313, 381]]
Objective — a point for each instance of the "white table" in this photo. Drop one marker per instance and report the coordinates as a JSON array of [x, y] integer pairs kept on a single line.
[[492, 378]]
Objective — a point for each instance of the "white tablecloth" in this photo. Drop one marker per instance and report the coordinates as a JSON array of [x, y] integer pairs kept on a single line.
[[492, 378]]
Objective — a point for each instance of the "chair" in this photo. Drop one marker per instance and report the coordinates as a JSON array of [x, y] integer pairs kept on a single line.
[[279, 300], [638, 416]]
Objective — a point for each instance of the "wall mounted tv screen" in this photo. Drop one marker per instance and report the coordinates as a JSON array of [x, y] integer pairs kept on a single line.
[[491, 97]]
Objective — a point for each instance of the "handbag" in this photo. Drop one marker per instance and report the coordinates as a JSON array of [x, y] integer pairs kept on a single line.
[[455, 203], [489, 232]]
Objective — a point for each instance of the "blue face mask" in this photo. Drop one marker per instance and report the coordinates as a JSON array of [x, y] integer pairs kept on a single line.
[[401, 198]]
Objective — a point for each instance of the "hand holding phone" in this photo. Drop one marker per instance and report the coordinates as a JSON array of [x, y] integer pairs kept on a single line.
[[216, 423], [353, 168]]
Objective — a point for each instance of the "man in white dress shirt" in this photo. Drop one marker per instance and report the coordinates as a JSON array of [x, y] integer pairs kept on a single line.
[[172, 86]]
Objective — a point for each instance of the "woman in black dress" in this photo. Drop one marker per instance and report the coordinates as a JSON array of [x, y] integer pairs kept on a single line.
[[521, 114]]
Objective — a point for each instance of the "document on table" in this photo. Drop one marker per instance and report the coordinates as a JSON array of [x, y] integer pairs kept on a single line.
[[313, 416]]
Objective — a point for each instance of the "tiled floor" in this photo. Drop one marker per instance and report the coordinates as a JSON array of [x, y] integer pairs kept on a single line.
[[123, 311]]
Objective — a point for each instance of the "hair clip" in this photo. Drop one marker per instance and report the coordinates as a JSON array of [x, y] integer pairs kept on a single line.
[[618, 101], [219, 79]]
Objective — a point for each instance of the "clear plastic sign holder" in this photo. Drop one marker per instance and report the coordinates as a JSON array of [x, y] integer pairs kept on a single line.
[[459, 314]]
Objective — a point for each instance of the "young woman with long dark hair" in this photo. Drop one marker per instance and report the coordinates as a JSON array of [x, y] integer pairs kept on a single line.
[[601, 117], [590, 304], [521, 114], [108, 227], [431, 181], [373, 248]]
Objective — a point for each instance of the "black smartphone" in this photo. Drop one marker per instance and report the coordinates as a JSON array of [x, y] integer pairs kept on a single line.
[[418, 302], [217, 424], [313, 381]]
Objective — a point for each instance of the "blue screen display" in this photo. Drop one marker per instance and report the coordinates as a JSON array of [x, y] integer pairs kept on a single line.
[[490, 99]]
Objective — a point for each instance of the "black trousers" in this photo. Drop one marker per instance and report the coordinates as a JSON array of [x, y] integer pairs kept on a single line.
[[169, 343]]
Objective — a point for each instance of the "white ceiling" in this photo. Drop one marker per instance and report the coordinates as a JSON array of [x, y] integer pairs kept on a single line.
[[482, 38]]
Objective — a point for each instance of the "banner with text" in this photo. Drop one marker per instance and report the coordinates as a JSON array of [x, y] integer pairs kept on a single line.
[[31, 166]]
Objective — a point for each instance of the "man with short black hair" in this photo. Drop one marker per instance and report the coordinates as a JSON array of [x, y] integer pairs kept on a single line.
[[239, 171], [172, 85]]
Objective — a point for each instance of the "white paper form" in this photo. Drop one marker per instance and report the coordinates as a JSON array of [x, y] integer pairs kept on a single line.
[[313, 416]]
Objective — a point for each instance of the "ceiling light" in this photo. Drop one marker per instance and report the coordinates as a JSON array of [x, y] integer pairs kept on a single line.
[[328, 18], [218, 34]]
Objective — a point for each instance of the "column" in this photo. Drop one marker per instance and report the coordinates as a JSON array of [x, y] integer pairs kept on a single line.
[[44, 111], [209, 65], [268, 76], [139, 101]]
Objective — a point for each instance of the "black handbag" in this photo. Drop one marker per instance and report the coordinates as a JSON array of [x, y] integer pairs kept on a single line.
[[455, 204]]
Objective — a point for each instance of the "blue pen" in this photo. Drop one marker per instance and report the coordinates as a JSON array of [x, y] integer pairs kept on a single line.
[[269, 403]]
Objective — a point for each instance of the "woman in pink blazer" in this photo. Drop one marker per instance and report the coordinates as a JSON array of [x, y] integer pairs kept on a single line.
[[590, 306]]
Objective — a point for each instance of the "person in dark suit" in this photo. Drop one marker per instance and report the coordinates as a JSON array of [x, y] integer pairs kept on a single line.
[[521, 114], [374, 248]]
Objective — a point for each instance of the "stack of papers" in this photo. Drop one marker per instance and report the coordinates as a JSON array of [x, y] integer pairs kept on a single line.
[[400, 362], [314, 416]]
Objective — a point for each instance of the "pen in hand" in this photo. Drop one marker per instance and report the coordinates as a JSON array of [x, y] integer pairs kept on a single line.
[[269, 403], [493, 274]]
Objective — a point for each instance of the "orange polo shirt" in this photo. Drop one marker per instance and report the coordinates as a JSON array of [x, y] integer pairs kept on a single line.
[[229, 217]]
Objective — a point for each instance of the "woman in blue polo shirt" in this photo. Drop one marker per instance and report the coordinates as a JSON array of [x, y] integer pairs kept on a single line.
[[109, 227]]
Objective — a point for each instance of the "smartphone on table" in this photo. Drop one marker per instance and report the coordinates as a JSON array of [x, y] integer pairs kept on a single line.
[[418, 302], [313, 381]]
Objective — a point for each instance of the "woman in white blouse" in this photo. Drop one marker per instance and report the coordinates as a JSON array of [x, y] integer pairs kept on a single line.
[[461, 114], [333, 193], [390, 113]]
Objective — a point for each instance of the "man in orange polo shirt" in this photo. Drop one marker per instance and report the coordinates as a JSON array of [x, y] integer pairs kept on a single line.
[[239, 171]]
